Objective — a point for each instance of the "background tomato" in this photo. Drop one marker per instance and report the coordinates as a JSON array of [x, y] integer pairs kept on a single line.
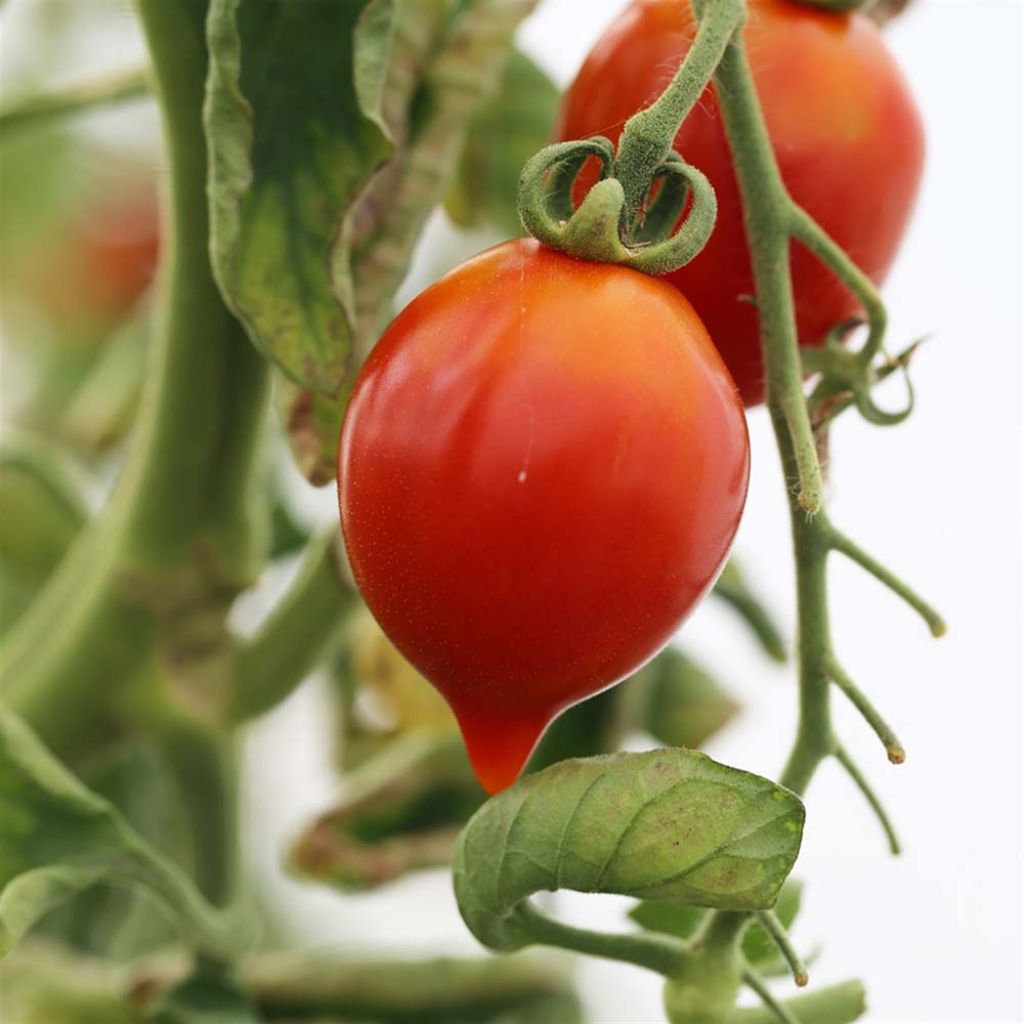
[[844, 127], [542, 469]]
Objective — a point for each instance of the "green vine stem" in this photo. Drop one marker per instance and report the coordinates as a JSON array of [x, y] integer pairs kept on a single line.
[[662, 954], [649, 135], [780, 937], [757, 984], [772, 220], [40, 110]]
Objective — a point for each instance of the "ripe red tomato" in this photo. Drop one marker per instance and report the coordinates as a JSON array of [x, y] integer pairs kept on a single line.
[[541, 471], [844, 128]]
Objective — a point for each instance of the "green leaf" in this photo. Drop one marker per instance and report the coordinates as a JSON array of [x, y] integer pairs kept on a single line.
[[513, 125], [393, 43], [668, 825], [41, 513], [113, 922], [319, 191], [57, 838], [290, 152], [421, 70], [684, 705]]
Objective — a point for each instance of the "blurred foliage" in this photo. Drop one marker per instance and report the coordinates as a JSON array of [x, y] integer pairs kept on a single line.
[[402, 811], [682, 703], [41, 512], [513, 125], [59, 838], [44, 984]]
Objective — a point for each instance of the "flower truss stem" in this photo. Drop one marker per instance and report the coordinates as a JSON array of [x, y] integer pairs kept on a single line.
[[777, 930], [772, 221], [757, 984]]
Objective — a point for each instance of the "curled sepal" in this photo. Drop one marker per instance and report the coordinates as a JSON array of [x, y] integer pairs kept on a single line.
[[598, 229], [669, 825]]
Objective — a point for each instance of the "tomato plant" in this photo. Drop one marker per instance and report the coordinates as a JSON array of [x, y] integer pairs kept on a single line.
[[576, 494], [541, 462], [844, 128]]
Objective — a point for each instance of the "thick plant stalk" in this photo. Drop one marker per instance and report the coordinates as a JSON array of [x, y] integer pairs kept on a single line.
[[142, 597]]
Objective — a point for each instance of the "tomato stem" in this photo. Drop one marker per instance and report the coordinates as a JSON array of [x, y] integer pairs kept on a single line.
[[662, 954], [777, 930], [617, 222], [649, 135], [759, 987], [893, 747], [610, 218], [872, 798], [841, 543]]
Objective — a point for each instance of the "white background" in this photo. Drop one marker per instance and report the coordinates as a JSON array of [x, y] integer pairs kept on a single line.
[[936, 934]]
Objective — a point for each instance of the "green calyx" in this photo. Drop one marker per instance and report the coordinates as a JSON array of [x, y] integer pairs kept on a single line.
[[600, 228], [630, 216]]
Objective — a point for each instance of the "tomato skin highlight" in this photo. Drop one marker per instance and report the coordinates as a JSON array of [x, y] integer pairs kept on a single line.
[[844, 127], [541, 471]]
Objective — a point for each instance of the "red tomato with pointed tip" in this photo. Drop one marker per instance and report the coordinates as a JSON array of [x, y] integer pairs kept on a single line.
[[541, 471], [844, 128]]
